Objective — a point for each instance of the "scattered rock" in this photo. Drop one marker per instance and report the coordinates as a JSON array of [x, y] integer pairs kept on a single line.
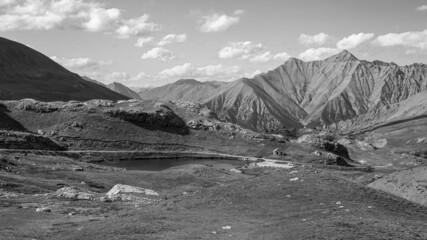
[[226, 228], [74, 193], [294, 179]]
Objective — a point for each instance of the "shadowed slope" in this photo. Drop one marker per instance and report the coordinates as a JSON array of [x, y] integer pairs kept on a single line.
[[26, 73]]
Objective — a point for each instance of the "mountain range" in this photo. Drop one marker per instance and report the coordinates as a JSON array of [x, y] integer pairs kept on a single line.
[[299, 93]]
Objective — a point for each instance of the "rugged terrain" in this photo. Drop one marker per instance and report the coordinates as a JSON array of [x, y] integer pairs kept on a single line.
[[362, 176]]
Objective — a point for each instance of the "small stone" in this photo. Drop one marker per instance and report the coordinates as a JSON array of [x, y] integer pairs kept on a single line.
[[338, 203], [226, 228], [43, 209], [294, 179]]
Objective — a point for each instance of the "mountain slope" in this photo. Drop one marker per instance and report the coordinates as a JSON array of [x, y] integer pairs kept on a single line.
[[26, 73], [122, 89], [184, 89], [319, 92]]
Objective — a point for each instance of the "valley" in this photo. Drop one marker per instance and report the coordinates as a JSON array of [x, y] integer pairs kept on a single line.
[[332, 149]]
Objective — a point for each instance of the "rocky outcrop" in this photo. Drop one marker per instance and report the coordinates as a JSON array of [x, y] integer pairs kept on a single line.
[[324, 142], [130, 193], [163, 117], [74, 193]]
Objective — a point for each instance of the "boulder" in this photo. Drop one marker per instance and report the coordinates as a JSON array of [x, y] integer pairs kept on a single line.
[[130, 193], [379, 143], [364, 146]]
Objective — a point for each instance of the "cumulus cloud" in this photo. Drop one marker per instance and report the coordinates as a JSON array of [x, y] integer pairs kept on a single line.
[[137, 27], [406, 39], [317, 39], [81, 63], [254, 52], [422, 8], [354, 40], [90, 16], [210, 72], [5, 2], [159, 53], [313, 54], [281, 57], [56, 14], [218, 22], [242, 50], [143, 41], [173, 38]]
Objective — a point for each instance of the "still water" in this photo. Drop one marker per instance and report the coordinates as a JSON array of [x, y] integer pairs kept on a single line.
[[163, 164]]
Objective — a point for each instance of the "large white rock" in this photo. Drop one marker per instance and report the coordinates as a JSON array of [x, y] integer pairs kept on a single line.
[[127, 189]]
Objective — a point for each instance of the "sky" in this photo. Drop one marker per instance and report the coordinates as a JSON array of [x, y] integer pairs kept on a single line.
[[146, 43]]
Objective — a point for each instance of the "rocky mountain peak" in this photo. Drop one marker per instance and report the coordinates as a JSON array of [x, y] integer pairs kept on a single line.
[[343, 56]]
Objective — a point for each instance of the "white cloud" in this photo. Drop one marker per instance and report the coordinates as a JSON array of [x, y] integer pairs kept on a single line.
[[137, 27], [78, 64], [5, 2], [159, 53], [242, 50], [141, 42], [317, 39], [313, 54], [56, 14], [254, 52], [101, 19], [422, 8], [281, 57], [263, 57], [218, 22], [90, 16], [173, 38], [209, 72], [354, 40], [116, 77], [406, 39]]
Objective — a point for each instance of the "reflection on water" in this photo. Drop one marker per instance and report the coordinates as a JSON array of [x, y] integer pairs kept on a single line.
[[162, 164]]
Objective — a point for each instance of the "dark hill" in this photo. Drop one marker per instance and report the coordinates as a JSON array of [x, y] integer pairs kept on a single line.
[[26, 73]]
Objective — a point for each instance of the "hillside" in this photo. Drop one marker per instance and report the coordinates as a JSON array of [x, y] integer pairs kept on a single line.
[[26, 73], [123, 90], [184, 89]]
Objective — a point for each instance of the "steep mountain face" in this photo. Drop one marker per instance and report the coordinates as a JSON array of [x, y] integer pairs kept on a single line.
[[26, 73], [122, 89], [320, 92], [184, 89]]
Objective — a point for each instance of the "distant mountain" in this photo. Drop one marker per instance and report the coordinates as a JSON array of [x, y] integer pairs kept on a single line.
[[184, 89], [26, 73], [122, 89]]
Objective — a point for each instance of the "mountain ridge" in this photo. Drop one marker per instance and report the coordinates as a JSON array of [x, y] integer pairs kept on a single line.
[[314, 93]]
